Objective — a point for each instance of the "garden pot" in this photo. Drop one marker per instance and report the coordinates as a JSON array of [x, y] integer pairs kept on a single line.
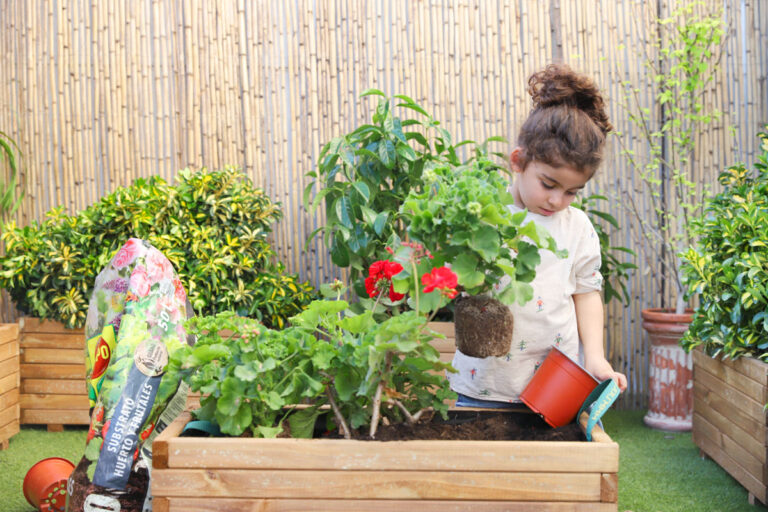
[[670, 370], [45, 485], [558, 389]]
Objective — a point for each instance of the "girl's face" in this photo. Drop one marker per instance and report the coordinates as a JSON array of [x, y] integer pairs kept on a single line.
[[544, 189]]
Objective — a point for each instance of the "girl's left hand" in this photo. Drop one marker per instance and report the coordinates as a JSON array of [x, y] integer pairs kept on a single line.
[[603, 370]]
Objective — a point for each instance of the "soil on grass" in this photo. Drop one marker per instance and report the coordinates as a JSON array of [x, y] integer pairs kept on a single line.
[[482, 426]]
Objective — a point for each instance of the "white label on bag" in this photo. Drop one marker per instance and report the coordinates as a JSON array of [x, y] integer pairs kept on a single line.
[[100, 503]]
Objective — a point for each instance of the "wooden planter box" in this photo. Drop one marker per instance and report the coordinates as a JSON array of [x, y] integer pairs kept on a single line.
[[53, 390], [9, 382], [729, 420], [281, 475]]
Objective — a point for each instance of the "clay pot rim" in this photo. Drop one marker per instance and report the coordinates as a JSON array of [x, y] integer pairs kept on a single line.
[[667, 316], [37, 467]]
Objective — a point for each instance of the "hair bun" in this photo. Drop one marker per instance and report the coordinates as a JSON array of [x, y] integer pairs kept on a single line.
[[558, 84]]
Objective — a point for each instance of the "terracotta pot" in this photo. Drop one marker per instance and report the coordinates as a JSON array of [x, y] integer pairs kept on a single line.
[[45, 485], [670, 370], [558, 389]]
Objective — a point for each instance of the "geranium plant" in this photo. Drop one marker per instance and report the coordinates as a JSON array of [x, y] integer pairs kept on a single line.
[[365, 367]]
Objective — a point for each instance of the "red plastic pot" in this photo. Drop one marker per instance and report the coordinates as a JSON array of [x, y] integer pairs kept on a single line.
[[45, 485], [558, 389]]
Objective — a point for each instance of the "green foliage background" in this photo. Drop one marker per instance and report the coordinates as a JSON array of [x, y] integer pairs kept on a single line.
[[212, 225]]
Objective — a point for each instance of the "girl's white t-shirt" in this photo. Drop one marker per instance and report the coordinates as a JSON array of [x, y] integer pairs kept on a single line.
[[548, 320]]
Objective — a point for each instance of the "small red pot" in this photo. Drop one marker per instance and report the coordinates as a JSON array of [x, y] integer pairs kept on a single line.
[[45, 485], [558, 389]]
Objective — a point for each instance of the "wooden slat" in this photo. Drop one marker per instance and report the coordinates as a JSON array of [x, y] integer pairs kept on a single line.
[[9, 366], [53, 416], [53, 371], [749, 406], [704, 398], [447, 329], [9, 430], [746, 459], [8, 333], [325, 505], [464, 485], [53, 340], [9, 398], [54, 386], [730, 375], [734, 431], [747, 366], [42, 401], [9, 415], [9, 350], [10, 382], [752, 484], [52, 355], [30, 324], [609, 490]]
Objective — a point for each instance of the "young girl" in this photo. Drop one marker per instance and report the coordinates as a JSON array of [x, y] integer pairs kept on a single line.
[[559, 148]]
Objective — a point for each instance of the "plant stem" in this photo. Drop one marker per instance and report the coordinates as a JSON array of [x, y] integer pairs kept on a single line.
[[376, 413], [337, 413], [411, 418], [415, 285]]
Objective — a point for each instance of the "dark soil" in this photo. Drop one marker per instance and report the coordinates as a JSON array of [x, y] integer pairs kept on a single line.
[[482, 426], [483, 327], [131, 499]]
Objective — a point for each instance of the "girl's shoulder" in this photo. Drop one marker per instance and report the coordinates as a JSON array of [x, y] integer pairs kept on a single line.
[[576, 218]]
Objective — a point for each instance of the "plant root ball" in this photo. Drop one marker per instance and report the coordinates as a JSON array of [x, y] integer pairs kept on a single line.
[[483, 327]]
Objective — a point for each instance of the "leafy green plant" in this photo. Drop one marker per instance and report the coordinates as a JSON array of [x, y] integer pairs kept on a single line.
[[615, 272], [213, 227], [9, 201], [363, 178], [365, 369], [728, 269], [462, 215], [687, 47]]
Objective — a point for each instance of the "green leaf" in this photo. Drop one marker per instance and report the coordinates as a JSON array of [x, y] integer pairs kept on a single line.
[[302, 422], [359, 323], [386, 151], [465, 266]]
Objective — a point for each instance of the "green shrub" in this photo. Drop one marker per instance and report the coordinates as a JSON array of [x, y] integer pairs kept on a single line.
[[213, 227], [729, 268]]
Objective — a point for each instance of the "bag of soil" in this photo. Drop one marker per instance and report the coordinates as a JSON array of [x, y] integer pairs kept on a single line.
[[134, 323]]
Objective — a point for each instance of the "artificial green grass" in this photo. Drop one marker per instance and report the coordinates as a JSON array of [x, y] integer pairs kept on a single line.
[[658, 471]]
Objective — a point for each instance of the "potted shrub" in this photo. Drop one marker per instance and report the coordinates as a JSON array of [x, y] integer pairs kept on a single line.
[[727, 271], [213, 227], [686, 49], [352, 373]]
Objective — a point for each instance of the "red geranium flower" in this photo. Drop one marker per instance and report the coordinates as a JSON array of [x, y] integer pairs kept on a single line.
[[380, 275], [443, 279]]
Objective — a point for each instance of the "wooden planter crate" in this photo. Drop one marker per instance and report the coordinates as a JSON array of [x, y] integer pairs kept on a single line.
[[281, 475], [53, 390], [729, 420], [9, 382]]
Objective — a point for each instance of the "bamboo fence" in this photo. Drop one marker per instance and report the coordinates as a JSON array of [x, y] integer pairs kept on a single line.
[[99, 93]]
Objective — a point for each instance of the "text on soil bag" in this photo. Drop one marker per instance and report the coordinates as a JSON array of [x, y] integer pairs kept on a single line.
[[132, 410]]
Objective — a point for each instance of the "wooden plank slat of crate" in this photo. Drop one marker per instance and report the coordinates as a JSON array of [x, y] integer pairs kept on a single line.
[[54, 386], [9, 398], [415, 455], [43, 401], [52, 355], [55, 416], [9, 333], [53, 371], [746, 459], [741, 475], [705, 398], [747, 366], [9, 415], [747, 404], [9, 350], [431, 485], [9, 366], [447, 329], [444, 346], [53, 340], [9, 430], [733, 430], [297, 505], [31, 324], [727, 374], [10, 382]]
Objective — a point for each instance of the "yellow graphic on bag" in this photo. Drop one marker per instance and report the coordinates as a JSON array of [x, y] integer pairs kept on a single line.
[[99, 353]]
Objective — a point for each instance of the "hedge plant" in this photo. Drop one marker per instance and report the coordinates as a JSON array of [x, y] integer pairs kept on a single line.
[[212, 225], [728, 269]]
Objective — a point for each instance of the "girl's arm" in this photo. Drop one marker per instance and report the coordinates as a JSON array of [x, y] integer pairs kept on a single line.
[[589, 319]]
